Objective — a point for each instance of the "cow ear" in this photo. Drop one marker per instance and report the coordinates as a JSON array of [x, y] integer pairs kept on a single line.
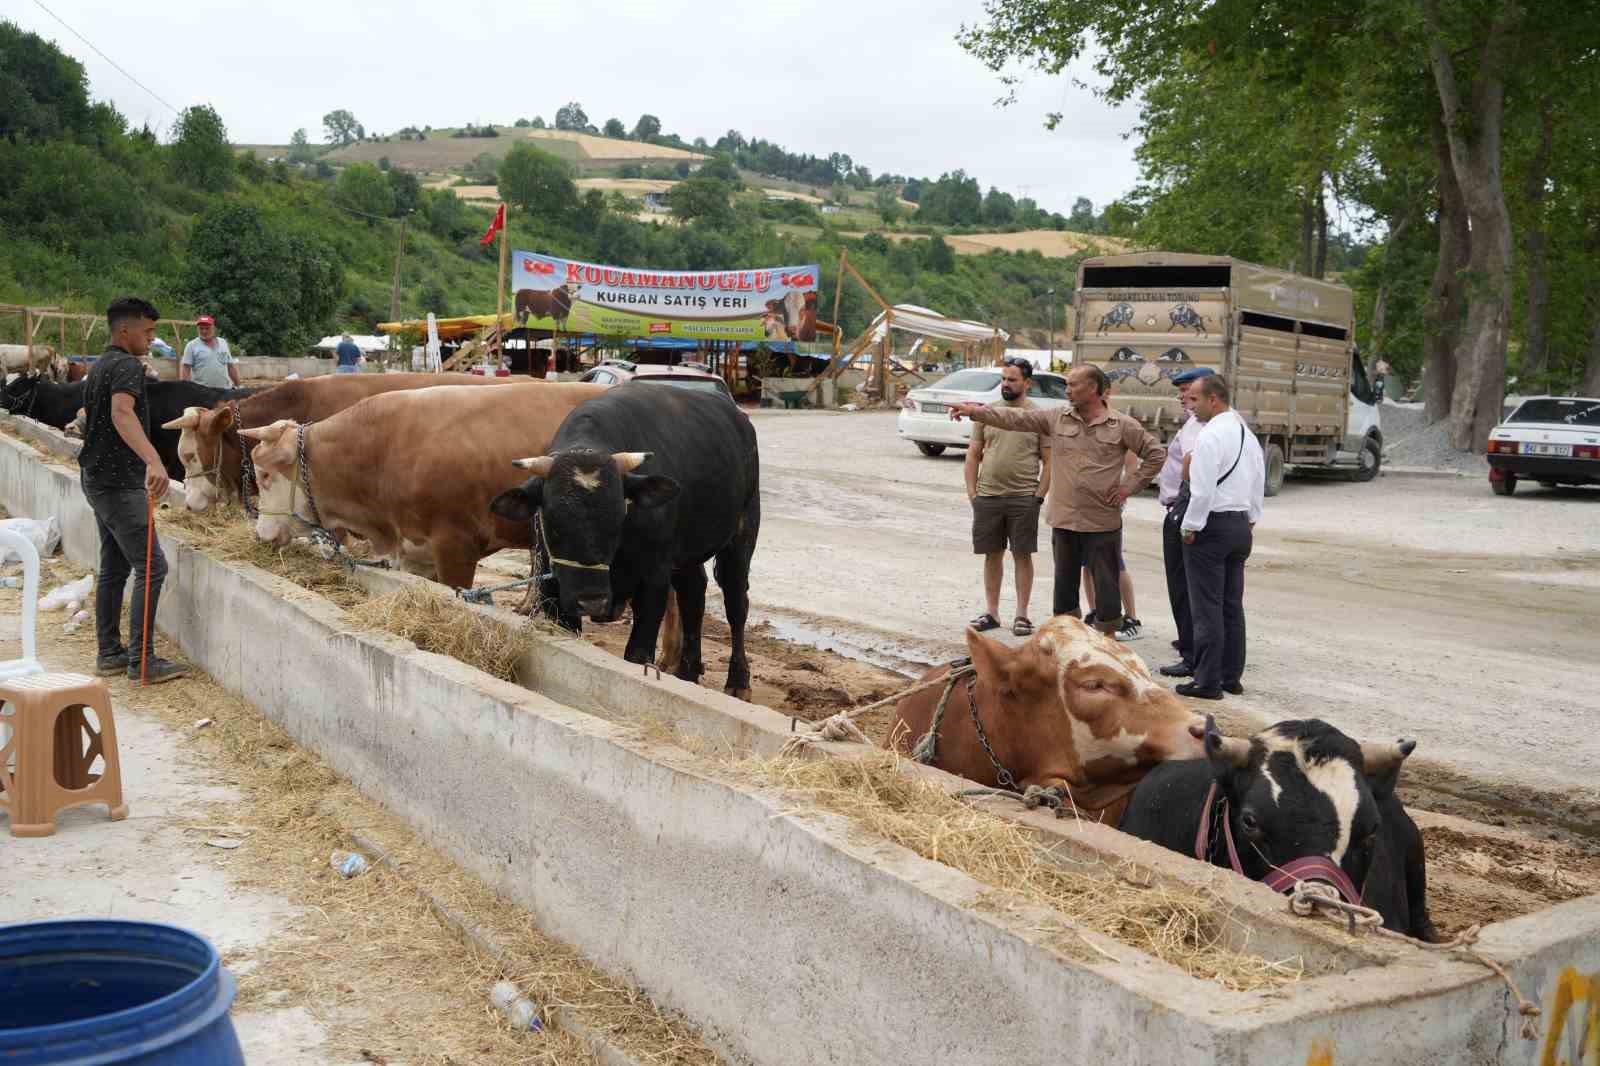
[[990, 658], [1226, 753], [649, 490], [519, 504], [223, 418], [1382, 763]]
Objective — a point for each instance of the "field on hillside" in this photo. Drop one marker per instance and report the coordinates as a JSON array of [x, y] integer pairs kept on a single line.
[[605, 148], [440, 151], [1057, 244], [635, 187]]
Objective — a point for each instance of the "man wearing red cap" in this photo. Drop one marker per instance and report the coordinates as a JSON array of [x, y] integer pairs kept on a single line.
[[207, 360]]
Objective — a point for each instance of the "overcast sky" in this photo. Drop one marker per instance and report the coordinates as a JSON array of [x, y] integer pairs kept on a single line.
[[881, 80]]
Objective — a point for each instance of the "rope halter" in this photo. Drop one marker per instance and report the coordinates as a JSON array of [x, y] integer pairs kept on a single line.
[[555, 560]]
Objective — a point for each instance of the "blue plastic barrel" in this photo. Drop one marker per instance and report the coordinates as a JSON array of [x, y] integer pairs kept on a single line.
[[87, 992]]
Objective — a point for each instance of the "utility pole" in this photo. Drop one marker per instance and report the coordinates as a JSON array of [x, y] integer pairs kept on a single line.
[[399, 250], [1052, 295]]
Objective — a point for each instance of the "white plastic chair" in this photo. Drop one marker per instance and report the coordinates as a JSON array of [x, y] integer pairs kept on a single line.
[[24, 550]]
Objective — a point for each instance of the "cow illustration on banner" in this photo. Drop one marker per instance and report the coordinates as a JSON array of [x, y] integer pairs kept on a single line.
[[769, 303]]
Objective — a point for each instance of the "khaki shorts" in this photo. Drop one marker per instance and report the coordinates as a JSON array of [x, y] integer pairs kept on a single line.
[[1002, 521]]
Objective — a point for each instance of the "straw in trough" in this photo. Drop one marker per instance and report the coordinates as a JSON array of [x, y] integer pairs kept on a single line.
[[228, 534], [1179, 925], [435, 621]]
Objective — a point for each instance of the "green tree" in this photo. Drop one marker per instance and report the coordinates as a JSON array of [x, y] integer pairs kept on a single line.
[[538, 122], [272, 290], [44, 93], [445, 215], [615, 128], [647, 127], [200, 153], [1082, 217], [300, 150], [538, 182], [363, 187], [571, 117], [407, 191], [341, 127], [702, 198], [999, 208], [888, 205], [941, 260]]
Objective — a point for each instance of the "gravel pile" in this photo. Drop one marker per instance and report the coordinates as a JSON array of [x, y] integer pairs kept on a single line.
[[1409, 441]]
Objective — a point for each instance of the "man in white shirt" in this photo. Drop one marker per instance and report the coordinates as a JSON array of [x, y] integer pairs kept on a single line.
[[207, 360], [1168, 485], [1227, 480]]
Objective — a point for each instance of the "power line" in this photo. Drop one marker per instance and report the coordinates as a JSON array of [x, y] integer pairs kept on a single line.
[[107, 58]]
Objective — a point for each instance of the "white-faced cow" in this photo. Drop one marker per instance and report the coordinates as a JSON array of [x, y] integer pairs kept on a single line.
[[208, 437], [411, 472], [1070, 710], [1297, 801], [638, 490]]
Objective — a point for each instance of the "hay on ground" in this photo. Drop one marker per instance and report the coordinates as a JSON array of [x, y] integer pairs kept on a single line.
[[228, 534], [1177, 924]]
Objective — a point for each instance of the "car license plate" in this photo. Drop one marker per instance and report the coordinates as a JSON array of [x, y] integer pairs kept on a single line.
[[933, 408], [1562, 450]]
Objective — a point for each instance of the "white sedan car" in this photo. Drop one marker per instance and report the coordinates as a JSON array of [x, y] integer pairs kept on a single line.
[[925, 412], [1554, 440]]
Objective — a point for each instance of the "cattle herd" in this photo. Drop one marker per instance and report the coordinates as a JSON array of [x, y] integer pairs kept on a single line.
[[623, 494]]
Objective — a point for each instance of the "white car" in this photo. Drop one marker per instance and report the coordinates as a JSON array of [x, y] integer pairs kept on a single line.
[[925, 412], [1554, 440]]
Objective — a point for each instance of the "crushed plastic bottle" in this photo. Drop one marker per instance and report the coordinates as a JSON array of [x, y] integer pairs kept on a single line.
[[349, 863], [519, 1010]]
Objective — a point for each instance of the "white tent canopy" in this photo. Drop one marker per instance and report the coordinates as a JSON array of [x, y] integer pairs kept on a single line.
[[366, 343], [929, 323]]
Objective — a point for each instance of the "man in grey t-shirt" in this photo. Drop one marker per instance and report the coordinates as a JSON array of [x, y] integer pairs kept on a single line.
[[207, 360]]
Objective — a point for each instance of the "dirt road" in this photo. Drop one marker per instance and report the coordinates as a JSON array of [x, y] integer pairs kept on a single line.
[[1410, 606]]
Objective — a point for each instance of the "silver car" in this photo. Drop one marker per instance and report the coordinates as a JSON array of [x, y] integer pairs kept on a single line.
[[925, 412]]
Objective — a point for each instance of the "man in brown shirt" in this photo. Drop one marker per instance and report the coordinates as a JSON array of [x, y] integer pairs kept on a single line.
[[1089, 442], [1007, 475]]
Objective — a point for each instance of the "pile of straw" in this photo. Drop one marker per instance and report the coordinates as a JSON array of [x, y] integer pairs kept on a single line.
[[435, 621], [228, 534], [1174, 923]]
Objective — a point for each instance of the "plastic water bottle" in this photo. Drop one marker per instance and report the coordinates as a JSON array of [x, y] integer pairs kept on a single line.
[[517, 1008], [349, 863]]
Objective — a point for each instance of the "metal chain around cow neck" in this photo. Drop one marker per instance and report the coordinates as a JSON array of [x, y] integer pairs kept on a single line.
[[1002, 775], [247, 469]]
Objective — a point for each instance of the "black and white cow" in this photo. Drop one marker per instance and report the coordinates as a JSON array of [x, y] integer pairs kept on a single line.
[[1185, 317], [1300, 790], [1119, 315], [641, 487], [56, 405]]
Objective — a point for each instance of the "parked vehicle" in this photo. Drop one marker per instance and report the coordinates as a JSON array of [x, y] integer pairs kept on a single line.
[[925, 413], [682, 376], [1284, 343], [1554, 440]]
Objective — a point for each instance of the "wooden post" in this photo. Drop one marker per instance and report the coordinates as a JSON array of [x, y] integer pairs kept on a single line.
[[394, 289], [838, 291], [500, 297], [27, 337]]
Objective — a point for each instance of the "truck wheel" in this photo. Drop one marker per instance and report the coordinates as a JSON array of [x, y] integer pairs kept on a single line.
[[1274, 459], [1371, 460], [930, 450], [1505, 486]]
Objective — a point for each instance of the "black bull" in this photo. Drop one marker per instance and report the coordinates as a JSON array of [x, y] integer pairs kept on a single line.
[[641, 487]]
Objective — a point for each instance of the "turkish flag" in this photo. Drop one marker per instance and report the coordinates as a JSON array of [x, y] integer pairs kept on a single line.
[[496, 226]]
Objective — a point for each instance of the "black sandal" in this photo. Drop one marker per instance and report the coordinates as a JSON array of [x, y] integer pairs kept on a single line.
[[985, 622], [1021, 627]]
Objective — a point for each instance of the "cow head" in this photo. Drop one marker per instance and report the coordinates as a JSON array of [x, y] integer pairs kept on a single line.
[[581, 497], [200, 452], [17, 395], [276, 456], [1303, 789], [794, 302], [1077, 690]]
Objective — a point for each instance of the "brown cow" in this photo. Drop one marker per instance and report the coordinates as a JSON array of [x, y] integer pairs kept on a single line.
[[209, 448], [1070, 709], [555, 304], [413, 472]]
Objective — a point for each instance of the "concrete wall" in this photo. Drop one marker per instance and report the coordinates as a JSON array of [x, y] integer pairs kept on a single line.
[[261, 367], [790, 937]]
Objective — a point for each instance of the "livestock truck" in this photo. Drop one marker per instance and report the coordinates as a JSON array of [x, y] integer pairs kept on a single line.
[[1284, 343]]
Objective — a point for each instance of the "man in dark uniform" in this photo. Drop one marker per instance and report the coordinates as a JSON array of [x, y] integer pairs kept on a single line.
[[120, 473]]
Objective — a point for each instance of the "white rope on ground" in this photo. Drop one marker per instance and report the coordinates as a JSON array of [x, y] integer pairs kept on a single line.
[[1316, 898], [841, 727]]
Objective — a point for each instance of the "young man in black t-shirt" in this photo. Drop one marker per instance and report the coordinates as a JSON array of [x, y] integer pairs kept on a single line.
[[120, 472]]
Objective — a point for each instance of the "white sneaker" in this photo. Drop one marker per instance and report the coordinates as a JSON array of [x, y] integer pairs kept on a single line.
[[1130, 630]]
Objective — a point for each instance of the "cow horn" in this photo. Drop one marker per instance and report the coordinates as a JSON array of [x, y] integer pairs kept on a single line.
[[1230, 750], [627, 461], [188, 420], [257, 435], [1379, 758], [539, 464]]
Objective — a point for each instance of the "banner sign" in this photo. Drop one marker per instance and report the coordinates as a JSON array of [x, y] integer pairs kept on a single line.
[[773, 303]]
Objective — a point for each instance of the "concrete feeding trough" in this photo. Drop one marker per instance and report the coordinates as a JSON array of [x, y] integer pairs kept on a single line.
[[790, 934]]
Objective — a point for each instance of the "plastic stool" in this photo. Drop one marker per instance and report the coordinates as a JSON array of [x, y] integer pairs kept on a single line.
[[44, 763]]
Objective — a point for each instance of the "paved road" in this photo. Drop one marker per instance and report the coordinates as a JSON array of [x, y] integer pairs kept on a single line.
[[1412, 606]]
